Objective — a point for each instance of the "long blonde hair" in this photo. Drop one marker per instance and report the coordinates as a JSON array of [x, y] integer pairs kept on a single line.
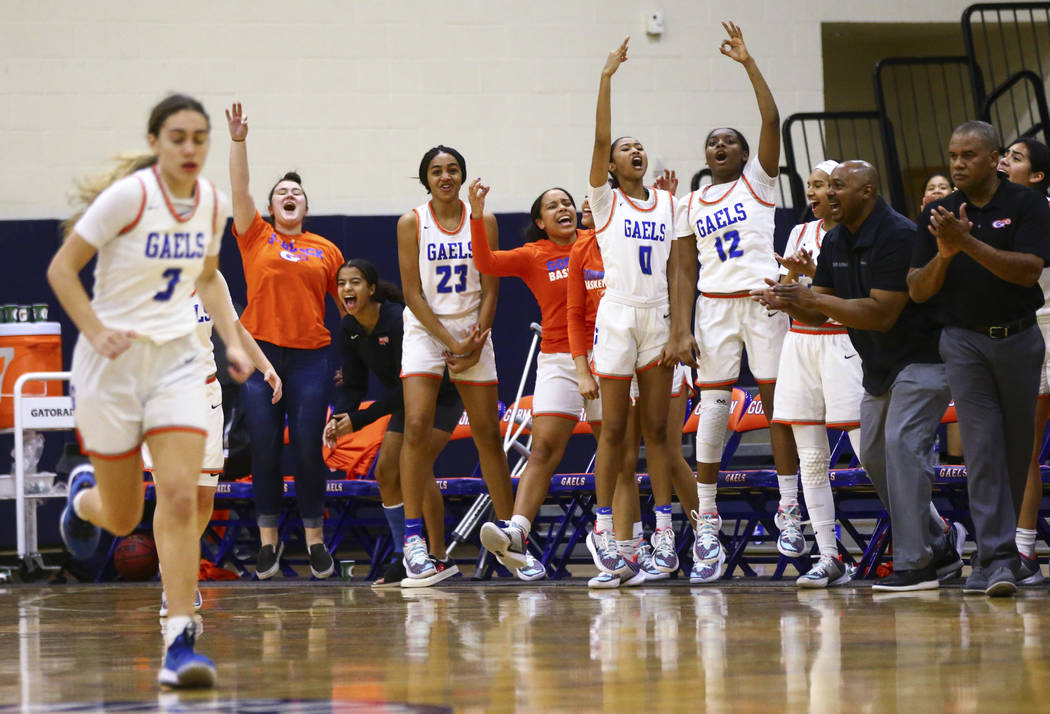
[[87, 188]]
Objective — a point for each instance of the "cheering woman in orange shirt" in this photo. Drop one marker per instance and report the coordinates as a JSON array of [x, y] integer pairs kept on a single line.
[[288, 273], [543, 264]]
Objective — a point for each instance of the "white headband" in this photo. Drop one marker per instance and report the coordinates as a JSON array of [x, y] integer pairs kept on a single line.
[[826, 166]]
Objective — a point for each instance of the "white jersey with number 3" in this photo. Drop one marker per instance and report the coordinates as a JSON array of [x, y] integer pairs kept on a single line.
[[450, 282], [148, 264], [733, 225], [634, 238]]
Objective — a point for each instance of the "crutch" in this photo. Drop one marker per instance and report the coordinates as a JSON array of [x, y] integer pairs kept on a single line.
[[478, 511]]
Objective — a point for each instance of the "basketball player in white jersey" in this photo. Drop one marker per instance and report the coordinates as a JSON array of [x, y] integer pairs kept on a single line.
[[634, 227], [137, 372], [818, 386], [214, 456], [729, 226], [449, 308], [1027, 162]]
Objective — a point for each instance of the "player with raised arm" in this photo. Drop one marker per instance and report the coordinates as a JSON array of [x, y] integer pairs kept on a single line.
[[728, 227]]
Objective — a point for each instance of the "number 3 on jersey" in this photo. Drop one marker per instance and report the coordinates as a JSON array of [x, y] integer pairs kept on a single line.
[[172, 276], [445, 272], [732, 240]]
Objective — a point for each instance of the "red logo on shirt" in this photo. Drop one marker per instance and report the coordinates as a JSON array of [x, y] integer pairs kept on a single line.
[[384, 340], [1001, 223]]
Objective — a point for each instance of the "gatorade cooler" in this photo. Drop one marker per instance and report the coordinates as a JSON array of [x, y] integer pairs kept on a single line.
[[27, 347]]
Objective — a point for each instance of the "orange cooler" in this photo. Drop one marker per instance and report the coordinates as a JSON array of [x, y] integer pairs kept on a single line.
[[27, 347]]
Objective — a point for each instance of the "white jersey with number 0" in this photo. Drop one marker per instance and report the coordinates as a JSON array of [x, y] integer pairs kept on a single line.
[[149, 257], [634, 238], [451, 284], [733, 225]]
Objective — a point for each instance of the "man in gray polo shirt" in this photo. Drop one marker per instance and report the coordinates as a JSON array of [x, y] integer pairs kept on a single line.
[[980, 250]]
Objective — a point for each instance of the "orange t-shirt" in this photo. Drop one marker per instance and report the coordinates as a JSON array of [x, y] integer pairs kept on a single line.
[[543, 266], [287, 279], [586, 287]]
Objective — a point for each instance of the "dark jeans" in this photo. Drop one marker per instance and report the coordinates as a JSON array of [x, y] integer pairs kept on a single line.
[[307, 378]]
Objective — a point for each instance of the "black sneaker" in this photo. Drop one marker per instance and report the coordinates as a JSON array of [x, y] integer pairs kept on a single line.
[[948, 562], [268, 562], [908, 580], [393, 575], [321, 563]]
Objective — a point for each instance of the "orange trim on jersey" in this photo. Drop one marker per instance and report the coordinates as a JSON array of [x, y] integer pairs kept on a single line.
[[429, 375], [715, 385], [652, 364], [491, 383], [210, 472], [166, 429], [797, 421], [462, 219], [563, 415], [105, 457], [825, 329], [167, 198], [748, 184], [620, 377], [142, 209], [726, 296], [635, 206], [1044, 396], [820, 224], [611, 214], [843, 425], [703, 192], [765, 381], [211, 379]]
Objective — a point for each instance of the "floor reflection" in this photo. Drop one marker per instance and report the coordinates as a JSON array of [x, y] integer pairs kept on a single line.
[[504, 648]]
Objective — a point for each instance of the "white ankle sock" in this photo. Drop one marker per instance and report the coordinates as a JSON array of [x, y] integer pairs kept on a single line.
[[788, 489], [637, 533], [175, 627], [1025, 538], [706, 494], [522, 522]]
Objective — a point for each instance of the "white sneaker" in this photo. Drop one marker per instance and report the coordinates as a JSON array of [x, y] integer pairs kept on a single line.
[[790, 541], [826, 572], [665, 555], [509, 544]]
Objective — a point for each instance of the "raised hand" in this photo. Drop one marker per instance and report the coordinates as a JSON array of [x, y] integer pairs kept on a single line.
[[237, 121], [616, 58], [477, 191], [667, 181], [733, 46]]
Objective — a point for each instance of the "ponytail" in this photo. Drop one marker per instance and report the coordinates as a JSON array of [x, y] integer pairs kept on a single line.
[[87, 189]]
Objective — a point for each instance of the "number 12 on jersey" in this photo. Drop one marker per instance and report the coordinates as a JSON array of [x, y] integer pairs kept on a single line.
[[445, 273], [732, 241]]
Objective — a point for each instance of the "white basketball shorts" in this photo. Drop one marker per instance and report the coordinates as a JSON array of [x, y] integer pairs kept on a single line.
[[214, 458], [628, 339], [819, 381], [724, 327], [422, 354]]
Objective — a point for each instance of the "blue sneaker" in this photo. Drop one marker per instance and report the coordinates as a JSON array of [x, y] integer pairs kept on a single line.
[[665, 555], [81, 537], [183, 667]]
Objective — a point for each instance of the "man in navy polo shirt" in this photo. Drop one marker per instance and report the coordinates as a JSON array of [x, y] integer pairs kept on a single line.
[[861, 282], [980, 251]]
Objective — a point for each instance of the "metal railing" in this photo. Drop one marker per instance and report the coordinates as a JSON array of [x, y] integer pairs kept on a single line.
[[920, 101], [811, 137]]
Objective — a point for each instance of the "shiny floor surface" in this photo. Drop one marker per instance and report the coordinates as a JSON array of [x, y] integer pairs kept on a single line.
[[469, 647]]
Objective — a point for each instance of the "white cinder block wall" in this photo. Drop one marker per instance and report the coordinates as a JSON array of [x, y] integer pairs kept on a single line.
[[351, 93]]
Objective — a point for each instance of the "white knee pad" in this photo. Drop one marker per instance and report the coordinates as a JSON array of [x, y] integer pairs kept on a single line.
[[813, 466], [711, 431]]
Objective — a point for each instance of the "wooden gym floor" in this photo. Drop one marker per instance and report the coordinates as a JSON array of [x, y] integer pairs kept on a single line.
[[501, 647]]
